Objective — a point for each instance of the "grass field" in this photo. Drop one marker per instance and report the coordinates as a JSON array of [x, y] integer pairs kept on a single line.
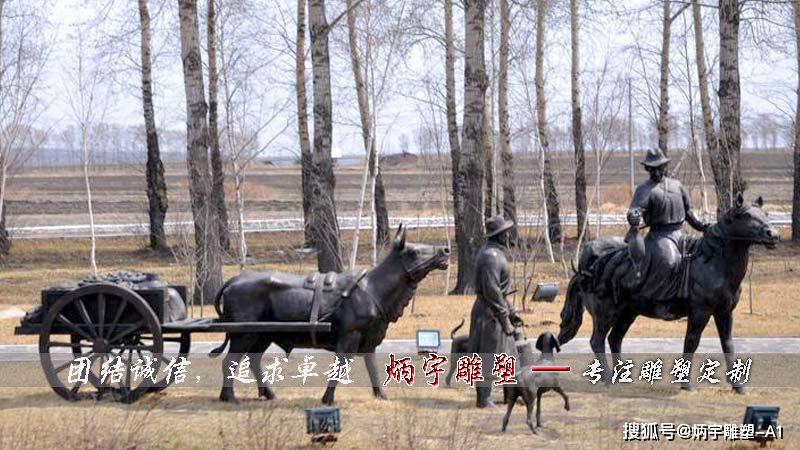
[[37, 264]]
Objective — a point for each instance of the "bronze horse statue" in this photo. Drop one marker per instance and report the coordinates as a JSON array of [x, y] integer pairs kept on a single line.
[[358, 304], [711, 286]]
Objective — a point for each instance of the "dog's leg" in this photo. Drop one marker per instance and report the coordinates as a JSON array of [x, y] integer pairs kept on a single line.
[[452, 370], [539, 393], [512, 399], [564, 395], [529, 409]]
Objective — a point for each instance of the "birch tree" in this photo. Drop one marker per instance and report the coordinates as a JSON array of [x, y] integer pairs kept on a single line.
[[370, 84], [663, 104], [796, 179], [23, 55], [154, 168], [506, 156], [207, 252], [577, 121], [324, 226], [470, 163], [302, 118], [709, 129], [217, 166], [88, 104], [461, 234], [252, 112], [730, 112], [550, 192]]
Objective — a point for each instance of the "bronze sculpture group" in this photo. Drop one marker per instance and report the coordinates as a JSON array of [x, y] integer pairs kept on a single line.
[[665, 275], [668, 275], [359, 306]]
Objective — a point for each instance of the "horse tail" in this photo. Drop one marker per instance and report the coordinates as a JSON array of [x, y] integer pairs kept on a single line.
[[453, 333], [572, 312]]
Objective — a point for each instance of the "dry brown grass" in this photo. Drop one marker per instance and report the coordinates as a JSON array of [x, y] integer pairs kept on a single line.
[[37, 264], [413, 418]]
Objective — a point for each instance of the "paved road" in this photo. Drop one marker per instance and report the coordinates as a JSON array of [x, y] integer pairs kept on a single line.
[[783, 345], [296, 224]]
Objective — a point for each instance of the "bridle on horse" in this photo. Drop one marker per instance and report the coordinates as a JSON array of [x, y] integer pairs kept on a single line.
[[717, 231]]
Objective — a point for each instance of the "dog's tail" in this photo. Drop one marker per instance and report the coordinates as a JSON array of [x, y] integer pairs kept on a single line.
[[572, 313], [458, 327]]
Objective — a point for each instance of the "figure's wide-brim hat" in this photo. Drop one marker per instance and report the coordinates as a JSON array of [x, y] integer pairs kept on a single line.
[[496, 225], [654, 158]]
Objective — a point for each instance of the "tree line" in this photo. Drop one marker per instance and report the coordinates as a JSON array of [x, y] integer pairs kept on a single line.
[[497, 99]]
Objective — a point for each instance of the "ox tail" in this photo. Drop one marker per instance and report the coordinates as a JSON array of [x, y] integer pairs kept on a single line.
[[458, 327], [218, 308], [218, 298], [216, 352], [572, 312]]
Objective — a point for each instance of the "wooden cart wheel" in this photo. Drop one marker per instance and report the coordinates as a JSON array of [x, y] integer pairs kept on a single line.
[[184, 341], [110, 329]]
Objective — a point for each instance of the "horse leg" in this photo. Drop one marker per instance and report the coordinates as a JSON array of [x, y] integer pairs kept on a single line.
[[618, 331], [695, 325], [724, 321], [374, 377], [598, 344], [346, 345], [256, 353]]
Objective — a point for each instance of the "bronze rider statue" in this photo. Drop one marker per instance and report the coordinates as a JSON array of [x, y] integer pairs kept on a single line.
[[663, 204]]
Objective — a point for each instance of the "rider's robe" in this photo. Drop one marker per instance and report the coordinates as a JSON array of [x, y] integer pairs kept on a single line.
[[664, 206]]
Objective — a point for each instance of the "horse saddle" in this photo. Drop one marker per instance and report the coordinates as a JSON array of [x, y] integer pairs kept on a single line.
[[613, 269], [328, 290]]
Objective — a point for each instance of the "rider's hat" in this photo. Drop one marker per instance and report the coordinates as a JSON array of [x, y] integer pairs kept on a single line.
[[496, 225], [655, 157]]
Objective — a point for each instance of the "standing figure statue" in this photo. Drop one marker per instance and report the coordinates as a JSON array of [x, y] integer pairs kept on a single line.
[[663, 203], [493, 318]]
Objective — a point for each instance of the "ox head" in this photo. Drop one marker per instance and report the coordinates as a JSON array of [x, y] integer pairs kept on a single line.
[[419, 259], [749, 223]]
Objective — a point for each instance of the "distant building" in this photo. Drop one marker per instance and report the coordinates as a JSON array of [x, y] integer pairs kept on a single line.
[[399, 159]]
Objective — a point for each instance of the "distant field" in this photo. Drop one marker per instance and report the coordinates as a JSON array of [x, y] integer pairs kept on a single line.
[[57, 196]]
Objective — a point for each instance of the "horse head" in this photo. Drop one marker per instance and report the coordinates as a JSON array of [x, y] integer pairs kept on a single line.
[[748, 223]]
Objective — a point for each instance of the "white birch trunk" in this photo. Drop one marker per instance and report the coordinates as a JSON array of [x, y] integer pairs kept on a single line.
[[86, 162]]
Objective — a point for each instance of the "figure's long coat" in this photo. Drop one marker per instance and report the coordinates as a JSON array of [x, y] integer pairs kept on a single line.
[[665, 206], [491, 307]]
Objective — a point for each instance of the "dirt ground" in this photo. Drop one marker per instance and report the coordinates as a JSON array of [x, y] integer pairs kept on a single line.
[[412, 418]]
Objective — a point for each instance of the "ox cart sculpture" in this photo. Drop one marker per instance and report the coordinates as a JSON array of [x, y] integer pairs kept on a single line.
[[129, 315], [102, 320]]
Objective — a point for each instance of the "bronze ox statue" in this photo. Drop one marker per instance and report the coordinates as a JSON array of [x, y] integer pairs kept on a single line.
[[358, 304], [711, 275]]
